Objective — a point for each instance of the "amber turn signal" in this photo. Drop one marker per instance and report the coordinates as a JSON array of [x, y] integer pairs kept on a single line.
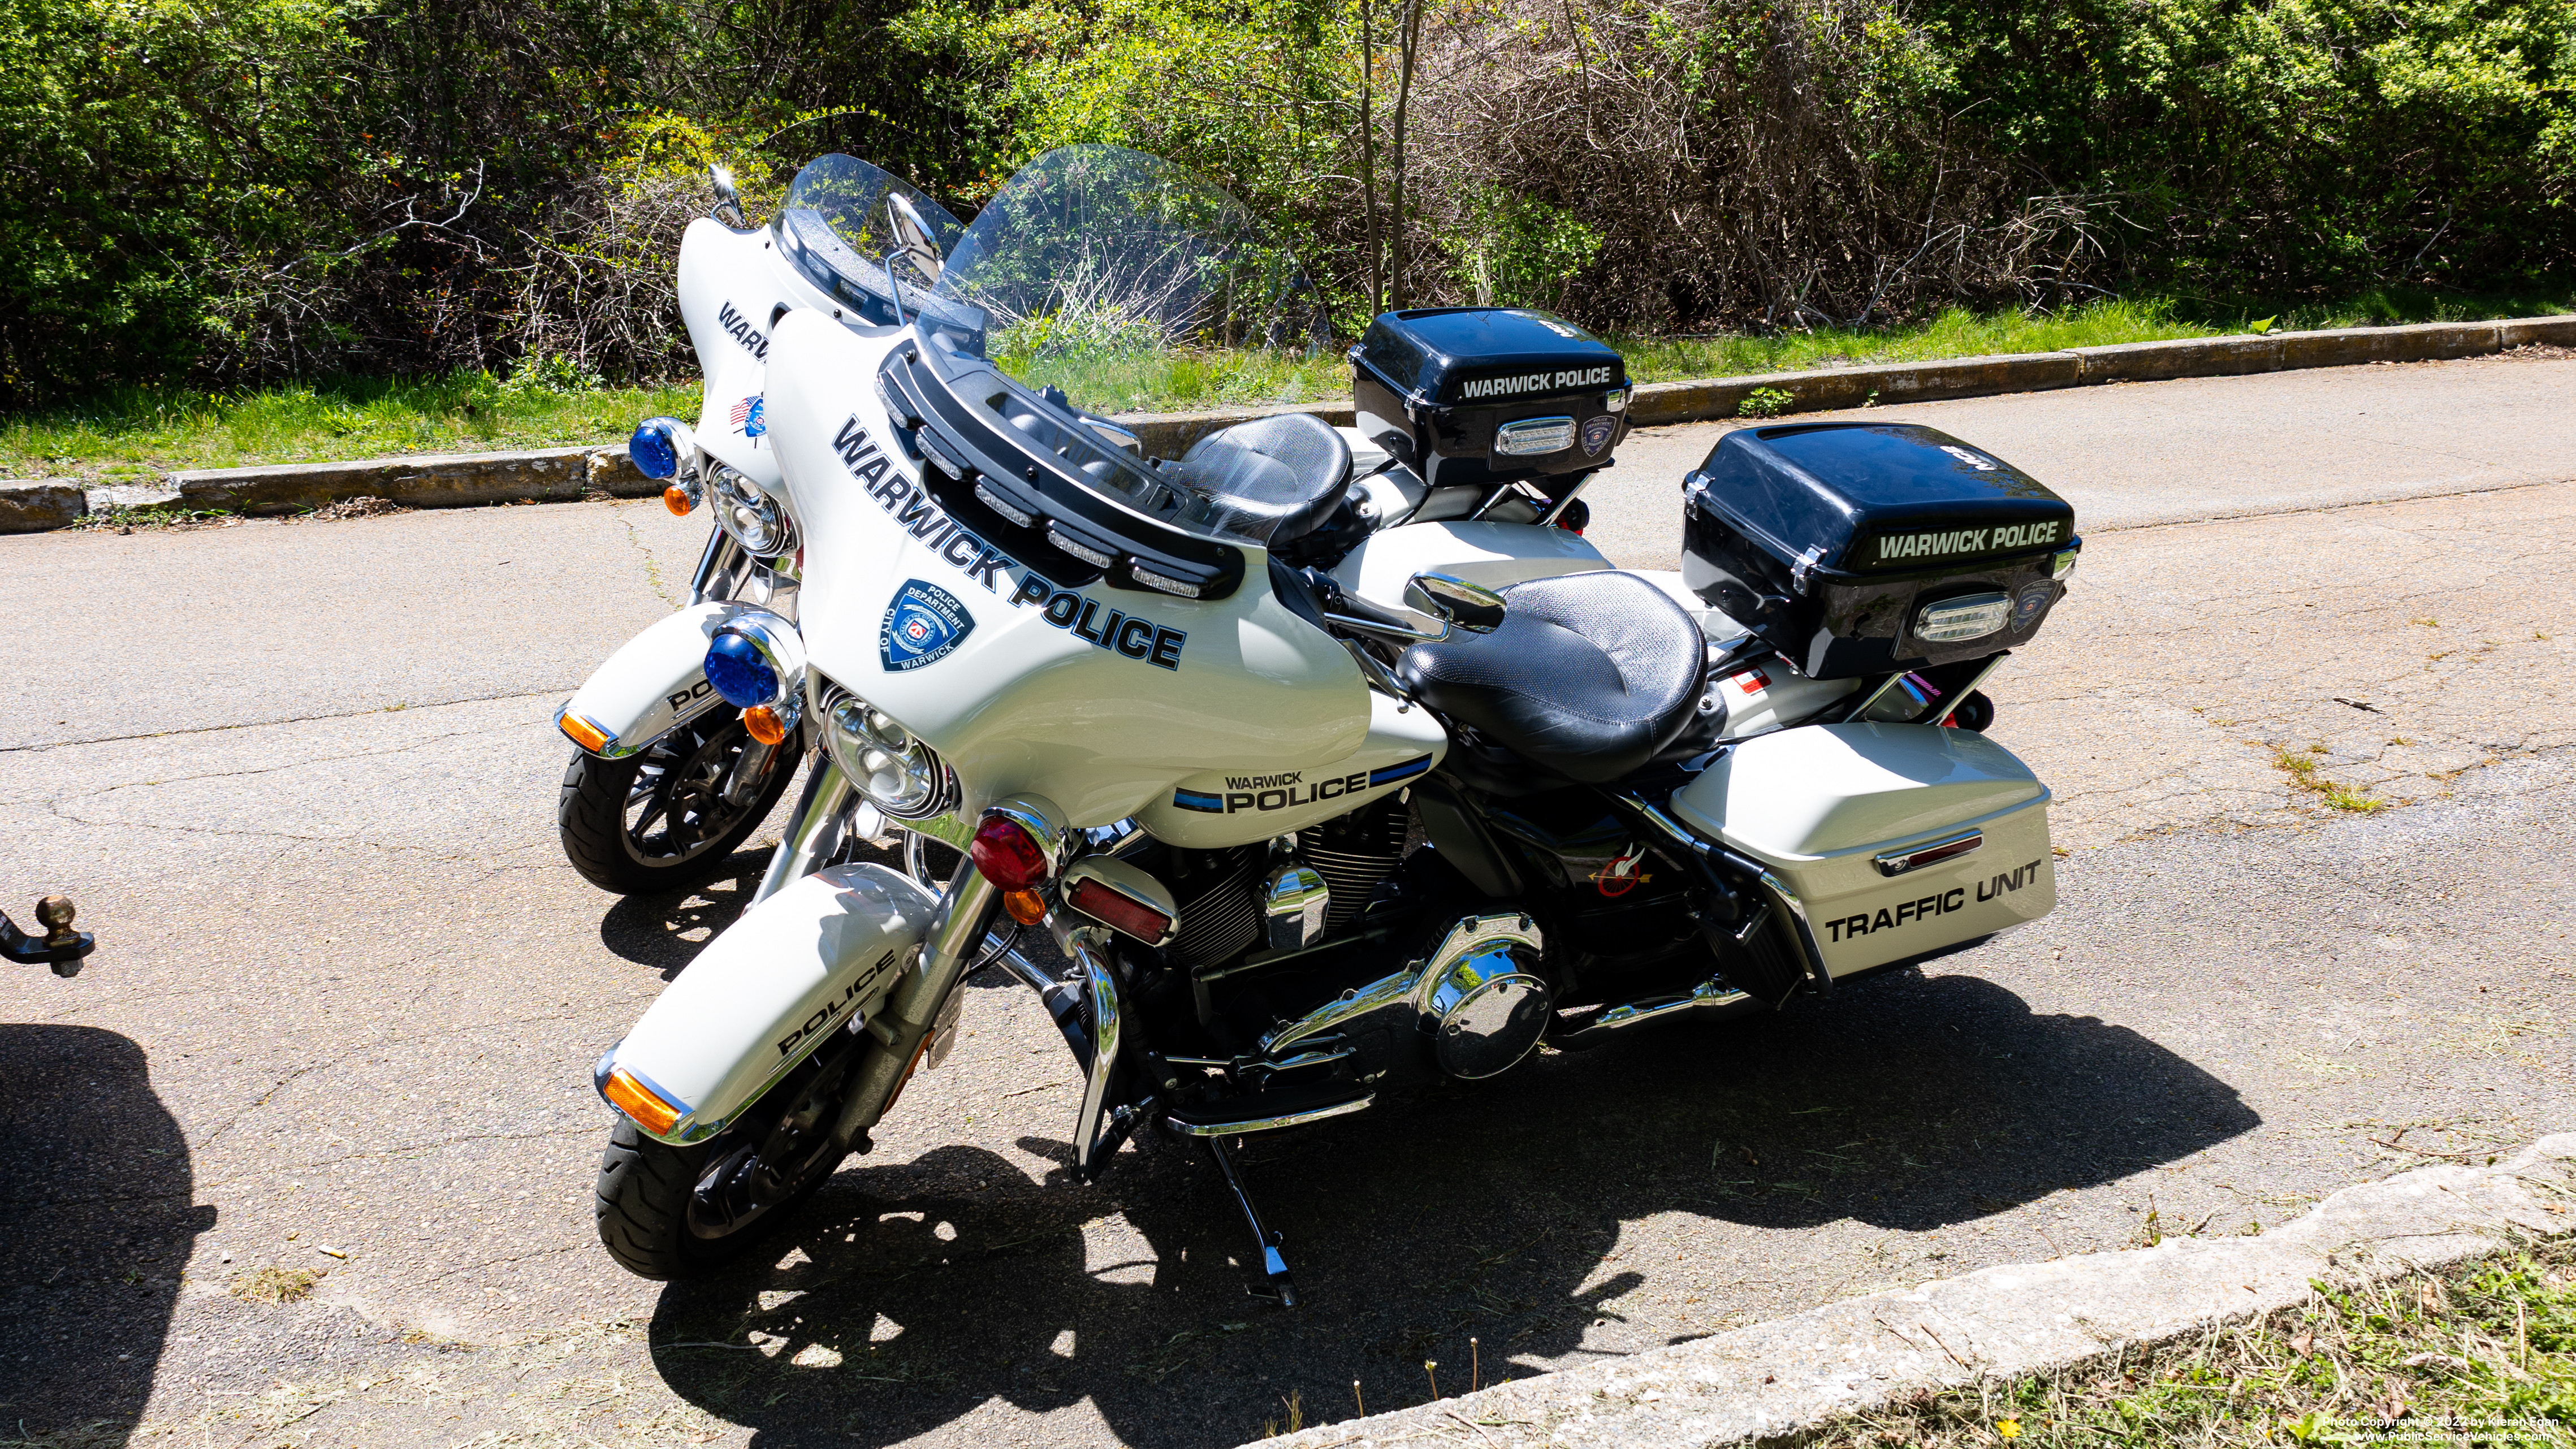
[[585, 734], [636, 1100], [1026, 907], [677, 499], [765, 724]]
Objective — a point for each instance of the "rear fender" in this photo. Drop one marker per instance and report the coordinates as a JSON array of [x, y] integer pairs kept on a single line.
[[818, 956], [654, 682]]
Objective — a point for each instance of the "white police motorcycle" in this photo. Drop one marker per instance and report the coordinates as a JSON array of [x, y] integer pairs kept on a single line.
[[667, 782], [1328, 760]]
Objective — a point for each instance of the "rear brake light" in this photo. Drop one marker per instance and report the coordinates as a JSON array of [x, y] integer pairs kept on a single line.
[[1111, 907], [1008, 855]]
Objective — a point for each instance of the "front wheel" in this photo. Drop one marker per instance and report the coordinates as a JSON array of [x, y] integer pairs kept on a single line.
[[669, 1212], [666, 818]]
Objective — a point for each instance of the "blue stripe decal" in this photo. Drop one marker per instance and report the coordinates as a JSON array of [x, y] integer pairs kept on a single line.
[[1194, 800], [1393, 773]]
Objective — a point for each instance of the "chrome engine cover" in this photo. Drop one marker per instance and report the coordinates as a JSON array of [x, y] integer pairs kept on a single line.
[[1483, 1002], [1476, 1003]]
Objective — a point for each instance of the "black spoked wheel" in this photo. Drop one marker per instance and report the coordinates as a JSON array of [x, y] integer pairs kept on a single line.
[[671, 1212], [667, 817]]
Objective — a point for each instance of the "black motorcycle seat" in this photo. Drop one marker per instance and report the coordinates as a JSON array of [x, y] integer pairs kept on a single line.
[[1588, 675], [1273, 479]]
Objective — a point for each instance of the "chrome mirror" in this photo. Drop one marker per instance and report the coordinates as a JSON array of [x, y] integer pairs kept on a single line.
[[1455, 602], [720, 177], [912, 235]]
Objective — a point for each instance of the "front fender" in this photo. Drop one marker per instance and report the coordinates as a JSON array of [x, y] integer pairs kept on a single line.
[[761, 997], [655, 681]]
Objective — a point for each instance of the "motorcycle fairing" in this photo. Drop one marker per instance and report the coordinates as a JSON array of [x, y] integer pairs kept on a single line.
[[810, 960], [1828, 809], [1103, 699], [732, 284], [655, 681]]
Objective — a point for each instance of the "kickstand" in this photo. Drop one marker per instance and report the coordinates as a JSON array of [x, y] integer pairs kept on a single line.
[[1281, 1286]]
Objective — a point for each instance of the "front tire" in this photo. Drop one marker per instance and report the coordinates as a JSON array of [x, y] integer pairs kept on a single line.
[[659, 820], [658, 1223]]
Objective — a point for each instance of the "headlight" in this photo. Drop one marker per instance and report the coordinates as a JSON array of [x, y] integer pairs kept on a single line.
[[749, 516], [1953, 620], [899, 774]]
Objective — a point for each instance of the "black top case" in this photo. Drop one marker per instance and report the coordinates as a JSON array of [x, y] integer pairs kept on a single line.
[[1863, 548]]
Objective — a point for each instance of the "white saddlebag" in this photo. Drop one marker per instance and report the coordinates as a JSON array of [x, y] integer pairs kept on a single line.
[[1895, 839]]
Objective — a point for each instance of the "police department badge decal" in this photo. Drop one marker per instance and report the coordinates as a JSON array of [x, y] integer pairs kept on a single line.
[[1596, 433], [923, 625]]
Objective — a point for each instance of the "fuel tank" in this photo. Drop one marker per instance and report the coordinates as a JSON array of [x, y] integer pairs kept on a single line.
[[1102, 699]]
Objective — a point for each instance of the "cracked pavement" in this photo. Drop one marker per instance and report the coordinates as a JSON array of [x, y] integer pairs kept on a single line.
[[301, 776]]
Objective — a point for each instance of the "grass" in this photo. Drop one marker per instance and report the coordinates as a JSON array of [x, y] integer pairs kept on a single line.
[[133, 434], [2302, 770], [136, 433], [2482, 1353], [276, 1285]]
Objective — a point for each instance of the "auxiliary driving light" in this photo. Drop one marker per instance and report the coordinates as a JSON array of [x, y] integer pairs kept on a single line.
[[739, 673], [1953, 620], [657, 445]]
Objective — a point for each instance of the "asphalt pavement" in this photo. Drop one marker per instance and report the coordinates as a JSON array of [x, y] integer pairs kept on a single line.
[[301, 778]]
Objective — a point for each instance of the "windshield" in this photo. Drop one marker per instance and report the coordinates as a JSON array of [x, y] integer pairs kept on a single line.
[[848, 195], [1105, 270], [833, 227]]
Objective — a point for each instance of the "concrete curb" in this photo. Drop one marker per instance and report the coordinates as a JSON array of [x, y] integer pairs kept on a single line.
[[1787, 1376], [428, 480], [459, 480]]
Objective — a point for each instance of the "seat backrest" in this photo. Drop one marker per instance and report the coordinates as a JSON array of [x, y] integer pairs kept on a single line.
[[1275, 478]]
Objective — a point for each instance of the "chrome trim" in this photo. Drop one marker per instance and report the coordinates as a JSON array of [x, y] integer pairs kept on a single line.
[[1960, 695], [1101, 984], [813, 831], [1280, 1122], [748, 767], [1415, 989], [716, 560], [1715, 997], [1576, 491], [956, 934], [1375, 672], [1817, 970], [1293, 901], [1910, 858], [1405, 633], [1861, 710]]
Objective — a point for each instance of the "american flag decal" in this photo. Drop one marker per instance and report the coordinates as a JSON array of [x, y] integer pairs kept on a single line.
[[746, 417]]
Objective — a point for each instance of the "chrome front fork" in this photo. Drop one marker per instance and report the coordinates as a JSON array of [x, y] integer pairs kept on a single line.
[[902, 1028]]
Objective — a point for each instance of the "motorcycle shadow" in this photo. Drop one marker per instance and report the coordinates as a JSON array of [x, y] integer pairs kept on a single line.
[[912, 1296], [100, 1221]]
